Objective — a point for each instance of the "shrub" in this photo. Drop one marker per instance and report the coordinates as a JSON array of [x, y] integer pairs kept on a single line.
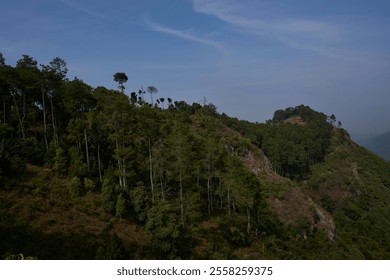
[[75, 183], [60, 162], [89, 185], [234, 231], [327, 203], [120, 207], [141, 201], [108, 195]]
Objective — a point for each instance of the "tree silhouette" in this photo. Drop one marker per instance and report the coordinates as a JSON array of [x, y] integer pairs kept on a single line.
[[152, 90], [120, 78], [2, 59], [58, 66]]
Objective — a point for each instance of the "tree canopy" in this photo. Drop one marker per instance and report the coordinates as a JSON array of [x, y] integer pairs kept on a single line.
[[121, 79]]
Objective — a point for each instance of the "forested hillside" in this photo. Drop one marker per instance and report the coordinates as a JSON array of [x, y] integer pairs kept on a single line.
[[97, 173]]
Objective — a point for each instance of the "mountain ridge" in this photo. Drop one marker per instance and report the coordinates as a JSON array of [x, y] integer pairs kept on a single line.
[[92, 173]]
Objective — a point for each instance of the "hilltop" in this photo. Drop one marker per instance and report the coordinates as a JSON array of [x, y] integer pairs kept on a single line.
[[94, 173]]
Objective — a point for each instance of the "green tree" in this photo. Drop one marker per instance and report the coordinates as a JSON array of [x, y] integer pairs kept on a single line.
[[26, 62], [60, 162], [332, 119], [108, 194], [121, 79], [24, 89], [52, 78], [76, 186], [89, 185], [163, 230], [58, 67], [120, 207], [77, 166], [2, 60], [140, 201]]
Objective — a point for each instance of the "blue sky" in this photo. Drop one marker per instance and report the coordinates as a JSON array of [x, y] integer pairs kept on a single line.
[[248, 57]]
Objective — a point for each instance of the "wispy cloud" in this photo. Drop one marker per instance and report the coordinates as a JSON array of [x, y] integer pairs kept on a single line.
[[305, 34], [76, 6], [185, 35], [182, 34]]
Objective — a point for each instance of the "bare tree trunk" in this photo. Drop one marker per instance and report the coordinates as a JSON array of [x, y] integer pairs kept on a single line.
[[124, 179], [209, 186], [211, 198], [257, 223], [151, 170], [198, 185], [86, 148], [24, 108], [181, 200], [99, 162], [119, 161], [119, 175], [20, 119], [53, 121], [4, 115], [208, 195], [44, 118], [229, 201], [248, 212], [162, 186]]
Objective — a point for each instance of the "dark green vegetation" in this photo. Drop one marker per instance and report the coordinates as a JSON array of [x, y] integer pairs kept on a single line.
[[90, 173]]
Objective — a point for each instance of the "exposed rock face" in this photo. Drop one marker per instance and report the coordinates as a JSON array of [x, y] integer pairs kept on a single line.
[[257, 162], [295, 205], [254, 159], [295, 120], [325, 222]]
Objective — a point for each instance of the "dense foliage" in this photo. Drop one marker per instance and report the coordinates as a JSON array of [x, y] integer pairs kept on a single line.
[[295, 139], [177, 172]]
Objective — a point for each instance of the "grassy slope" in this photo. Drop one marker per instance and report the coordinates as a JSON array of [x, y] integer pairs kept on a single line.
[[42, 217]]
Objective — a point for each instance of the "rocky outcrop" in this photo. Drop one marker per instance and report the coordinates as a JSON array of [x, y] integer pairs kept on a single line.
[[294, 207]]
